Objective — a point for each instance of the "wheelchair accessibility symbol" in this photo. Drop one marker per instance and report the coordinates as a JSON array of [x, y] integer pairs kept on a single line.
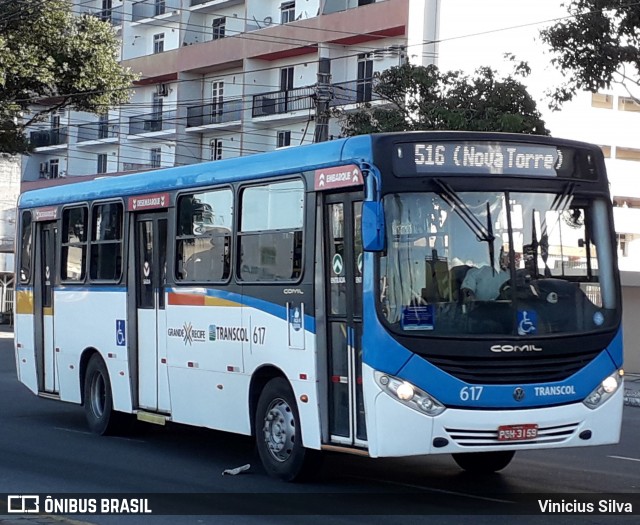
[[121, 338], [527, 322]]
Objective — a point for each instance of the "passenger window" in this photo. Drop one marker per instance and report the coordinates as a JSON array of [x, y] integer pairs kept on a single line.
[[205, 223], [106, 242], [270, 237], [74, 244], [26, 244]]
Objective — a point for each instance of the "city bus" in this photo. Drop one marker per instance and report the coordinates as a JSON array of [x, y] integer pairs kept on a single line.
[[321, 298]]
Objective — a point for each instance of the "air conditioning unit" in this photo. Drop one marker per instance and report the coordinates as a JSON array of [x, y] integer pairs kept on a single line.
[[267, 105], [162, 90]]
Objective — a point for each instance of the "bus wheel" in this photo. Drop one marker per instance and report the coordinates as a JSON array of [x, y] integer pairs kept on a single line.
[[98, 400], [484, 462], [278, 435]]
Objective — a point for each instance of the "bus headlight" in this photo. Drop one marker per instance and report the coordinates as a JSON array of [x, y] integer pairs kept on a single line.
[[409, 395], [604, 390]]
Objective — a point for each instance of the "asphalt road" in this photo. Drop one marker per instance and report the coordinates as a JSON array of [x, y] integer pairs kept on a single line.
[[45, 448]]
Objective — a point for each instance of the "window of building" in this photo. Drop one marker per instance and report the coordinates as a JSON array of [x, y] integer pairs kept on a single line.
[[26, 236], [287, 12], [102, 163], [217, 98], [215, 147], [106, 242], [270, 237], [286, 78], [74, 244], [54, 168], [203, 241], [158, 43], [284, 139], [628, 104], [160, 7], [364, 82], [218, 26], [622, 240], [156, 157], [601, 100]]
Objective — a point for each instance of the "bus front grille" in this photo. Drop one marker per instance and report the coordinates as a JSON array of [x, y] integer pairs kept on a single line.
[[482, 438], [513, 369]]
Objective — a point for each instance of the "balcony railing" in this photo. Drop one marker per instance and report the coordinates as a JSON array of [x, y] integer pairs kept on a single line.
[[114, 15], [214, 113], [149, 9], [353, 92], [50, 137], [152, 122], [278, 102], [98, 131]]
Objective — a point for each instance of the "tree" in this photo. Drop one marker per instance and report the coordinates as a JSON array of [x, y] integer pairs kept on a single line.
[[51, 59], [597, 46], [423, 98]]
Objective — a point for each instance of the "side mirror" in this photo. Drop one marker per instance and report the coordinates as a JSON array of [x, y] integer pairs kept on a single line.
[[372, 226]]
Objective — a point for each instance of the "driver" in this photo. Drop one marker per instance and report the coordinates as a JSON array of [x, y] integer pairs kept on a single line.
[[483, 284]]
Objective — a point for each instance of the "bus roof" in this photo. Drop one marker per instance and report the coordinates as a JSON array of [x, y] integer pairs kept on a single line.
[[270, 164]]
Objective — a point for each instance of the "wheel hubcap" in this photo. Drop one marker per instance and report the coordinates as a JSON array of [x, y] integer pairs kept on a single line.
[[279, 430]]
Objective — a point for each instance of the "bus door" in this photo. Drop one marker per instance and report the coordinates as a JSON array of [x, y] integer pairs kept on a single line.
[[150, 252], [343, 275], [43, 302]]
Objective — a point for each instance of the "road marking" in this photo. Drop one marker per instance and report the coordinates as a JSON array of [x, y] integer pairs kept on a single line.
[[622, 457], [430, 489]]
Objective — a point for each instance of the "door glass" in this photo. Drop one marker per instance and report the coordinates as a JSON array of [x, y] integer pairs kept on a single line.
[[145, 265], [337, 281]]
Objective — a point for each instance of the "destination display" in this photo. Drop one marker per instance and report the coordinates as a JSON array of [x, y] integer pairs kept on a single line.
[[491, 158]]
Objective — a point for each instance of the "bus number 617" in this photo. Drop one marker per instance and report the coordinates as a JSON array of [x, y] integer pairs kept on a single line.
[[472, 393]]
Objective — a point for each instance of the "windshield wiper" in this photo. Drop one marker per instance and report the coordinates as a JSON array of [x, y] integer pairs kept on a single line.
[[483, 233]]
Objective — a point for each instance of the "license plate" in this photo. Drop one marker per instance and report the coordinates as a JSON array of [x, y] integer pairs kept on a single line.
[[517, 432]]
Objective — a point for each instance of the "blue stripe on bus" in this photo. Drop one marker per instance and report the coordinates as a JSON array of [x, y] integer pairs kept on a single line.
[[251, 302]]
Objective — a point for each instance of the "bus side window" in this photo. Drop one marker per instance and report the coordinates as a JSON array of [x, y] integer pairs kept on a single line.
[[26, 252], [204, 236], [74, 244]]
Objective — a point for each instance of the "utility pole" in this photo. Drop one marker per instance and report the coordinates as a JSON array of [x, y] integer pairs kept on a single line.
[[323, 95]]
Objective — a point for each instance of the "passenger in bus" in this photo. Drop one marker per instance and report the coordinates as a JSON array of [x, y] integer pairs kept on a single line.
[[483, 283]]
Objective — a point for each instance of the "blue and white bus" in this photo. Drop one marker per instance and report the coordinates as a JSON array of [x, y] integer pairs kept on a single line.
[[322, 298]]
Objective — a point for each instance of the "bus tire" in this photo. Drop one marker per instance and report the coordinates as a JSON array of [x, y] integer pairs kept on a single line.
[[98, 400], [278, 435], [484, 462]]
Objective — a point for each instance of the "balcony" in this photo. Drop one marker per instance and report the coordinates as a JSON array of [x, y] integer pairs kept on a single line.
[[211, 6], [114, 15], [143, 10], [51, 137], [152, 123], [98, 131], [214, 113], [353, 92], [279, 102]]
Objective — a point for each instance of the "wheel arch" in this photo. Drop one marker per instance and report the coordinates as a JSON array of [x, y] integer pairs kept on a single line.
[[259, 379]]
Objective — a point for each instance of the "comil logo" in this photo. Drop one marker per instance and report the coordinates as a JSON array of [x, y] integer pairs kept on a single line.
[[515, 349]]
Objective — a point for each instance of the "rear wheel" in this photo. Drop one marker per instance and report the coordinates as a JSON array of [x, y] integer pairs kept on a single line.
[[484, 462], [278, 435], [98, 400]]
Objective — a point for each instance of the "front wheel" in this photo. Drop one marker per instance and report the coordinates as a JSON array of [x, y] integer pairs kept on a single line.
[[278, 435], [98, 400], [484, 462]]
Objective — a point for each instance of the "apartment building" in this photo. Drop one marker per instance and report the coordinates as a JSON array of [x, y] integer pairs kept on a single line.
[[225, 78]]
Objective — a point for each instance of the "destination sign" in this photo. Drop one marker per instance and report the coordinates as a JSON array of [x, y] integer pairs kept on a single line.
[[487, 158]]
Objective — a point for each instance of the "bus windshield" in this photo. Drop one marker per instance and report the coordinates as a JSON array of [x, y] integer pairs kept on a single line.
[[496, 263]]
